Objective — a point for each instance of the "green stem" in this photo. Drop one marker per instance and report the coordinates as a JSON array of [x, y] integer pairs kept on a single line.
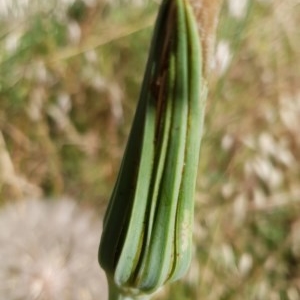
[[116, 294]]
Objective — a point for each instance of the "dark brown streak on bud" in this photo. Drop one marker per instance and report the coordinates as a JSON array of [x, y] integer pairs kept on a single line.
[[159, 84]]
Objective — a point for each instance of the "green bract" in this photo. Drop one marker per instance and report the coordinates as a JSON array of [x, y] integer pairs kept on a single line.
[[147, 232]]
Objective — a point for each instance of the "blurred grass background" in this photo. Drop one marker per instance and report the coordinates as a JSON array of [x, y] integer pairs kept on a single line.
[[70, 73]]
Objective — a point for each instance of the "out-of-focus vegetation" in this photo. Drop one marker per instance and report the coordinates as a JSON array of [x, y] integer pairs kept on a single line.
[[42, 253], [70, 73]]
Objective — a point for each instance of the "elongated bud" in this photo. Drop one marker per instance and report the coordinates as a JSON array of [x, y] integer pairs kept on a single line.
[[147, 233]]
